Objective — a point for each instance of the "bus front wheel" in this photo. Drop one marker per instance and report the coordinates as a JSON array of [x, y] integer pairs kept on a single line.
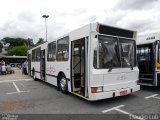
[[63, 84]]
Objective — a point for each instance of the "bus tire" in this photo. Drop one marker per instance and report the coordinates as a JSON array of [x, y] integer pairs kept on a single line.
[[63, 84]]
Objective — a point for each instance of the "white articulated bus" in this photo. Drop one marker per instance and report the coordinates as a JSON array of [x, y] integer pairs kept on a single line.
[[94, 62], [148, 56]]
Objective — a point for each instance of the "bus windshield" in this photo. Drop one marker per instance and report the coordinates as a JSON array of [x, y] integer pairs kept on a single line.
[[114, 53], [127, 52]]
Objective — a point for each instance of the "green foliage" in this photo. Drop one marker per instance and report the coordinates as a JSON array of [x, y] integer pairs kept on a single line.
[[19, 50], [15, 41], [40, 41], [20, 46]]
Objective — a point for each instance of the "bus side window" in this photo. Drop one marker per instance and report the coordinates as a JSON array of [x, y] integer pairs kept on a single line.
[[33, 55], [63, 49], [38, 50], [36, 54], [51, 51]]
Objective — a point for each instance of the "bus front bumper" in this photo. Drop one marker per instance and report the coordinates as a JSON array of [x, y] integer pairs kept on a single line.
[[115, 93]]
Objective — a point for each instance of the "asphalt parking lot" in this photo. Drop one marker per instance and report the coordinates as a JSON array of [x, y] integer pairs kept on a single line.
[[36, 97]]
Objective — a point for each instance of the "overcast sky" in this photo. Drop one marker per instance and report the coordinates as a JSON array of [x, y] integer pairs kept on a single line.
[[23, 18]]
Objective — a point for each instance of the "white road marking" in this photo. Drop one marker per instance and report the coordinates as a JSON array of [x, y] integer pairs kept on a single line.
[[16, 87], [122, 111], [18, 90], [157, 97], [153, 96], [5, 81], [104, 111]]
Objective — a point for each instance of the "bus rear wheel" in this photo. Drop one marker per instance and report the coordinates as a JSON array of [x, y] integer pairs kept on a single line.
[[63, 84]]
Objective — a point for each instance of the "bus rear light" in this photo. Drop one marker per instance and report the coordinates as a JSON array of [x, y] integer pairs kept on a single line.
[[96, 89], [93, 89]]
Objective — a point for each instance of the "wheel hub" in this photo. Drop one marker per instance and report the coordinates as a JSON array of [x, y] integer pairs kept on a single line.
[[63, 83]]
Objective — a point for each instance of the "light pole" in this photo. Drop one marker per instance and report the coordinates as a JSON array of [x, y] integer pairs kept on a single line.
[[46, 16]]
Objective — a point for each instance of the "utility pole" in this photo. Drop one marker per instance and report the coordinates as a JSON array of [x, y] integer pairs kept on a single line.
[[45, 17]]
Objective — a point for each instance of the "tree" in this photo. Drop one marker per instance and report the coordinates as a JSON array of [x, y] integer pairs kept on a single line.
[[15, 41], [19, 50], [29, 42], [40, 41]]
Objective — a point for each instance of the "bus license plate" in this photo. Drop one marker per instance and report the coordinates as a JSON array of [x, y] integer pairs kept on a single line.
[[124, 92]]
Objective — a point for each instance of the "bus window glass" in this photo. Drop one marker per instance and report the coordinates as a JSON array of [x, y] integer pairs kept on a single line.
[[33, 55], [107, 55], [38, 50], [127, 48], [36, 55], [144, 54], [63, 49], [147, 53], [51, 51]]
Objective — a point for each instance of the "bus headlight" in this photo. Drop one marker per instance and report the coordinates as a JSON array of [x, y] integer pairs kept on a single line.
[[96, 89]]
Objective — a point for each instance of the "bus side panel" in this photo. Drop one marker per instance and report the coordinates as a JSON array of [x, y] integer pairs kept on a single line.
[[52, 80], [54, 68], [38, 76], [36, 67]]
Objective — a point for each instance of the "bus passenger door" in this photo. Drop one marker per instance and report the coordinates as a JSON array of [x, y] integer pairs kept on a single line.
[[146, 64], [157, 68], [42, 65], [78, 66], [29, 64]]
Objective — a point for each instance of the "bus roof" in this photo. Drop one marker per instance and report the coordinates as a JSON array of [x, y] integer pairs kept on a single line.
[[148, 38], [98, 27]]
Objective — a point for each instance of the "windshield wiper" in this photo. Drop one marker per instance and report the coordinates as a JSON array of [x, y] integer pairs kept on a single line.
[[131, 64], [125, 59], [110, 67], [131, 67]]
